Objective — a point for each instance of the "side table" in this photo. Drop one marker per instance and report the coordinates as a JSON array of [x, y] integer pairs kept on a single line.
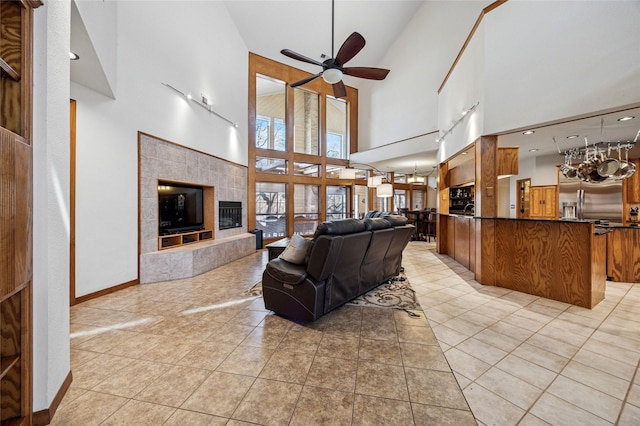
[[277, 247]]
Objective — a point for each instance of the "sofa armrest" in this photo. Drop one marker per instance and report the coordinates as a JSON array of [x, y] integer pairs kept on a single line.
[[285, 272]]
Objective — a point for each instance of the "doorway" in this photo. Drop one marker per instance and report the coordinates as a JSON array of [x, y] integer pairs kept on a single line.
[[522, 205]]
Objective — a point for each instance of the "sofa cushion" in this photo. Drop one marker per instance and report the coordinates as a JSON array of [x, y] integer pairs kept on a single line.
[[339, 227], [296, 251], [285, 272], [371, 224], [396, 220]]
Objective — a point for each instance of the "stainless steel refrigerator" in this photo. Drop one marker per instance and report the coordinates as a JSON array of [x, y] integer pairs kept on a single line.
[[593, 201]]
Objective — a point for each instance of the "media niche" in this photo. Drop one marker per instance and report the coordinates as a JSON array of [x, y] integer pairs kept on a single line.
[[181, 208]]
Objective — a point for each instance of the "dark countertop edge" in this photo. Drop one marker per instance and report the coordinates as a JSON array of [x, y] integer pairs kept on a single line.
[[588, 222]]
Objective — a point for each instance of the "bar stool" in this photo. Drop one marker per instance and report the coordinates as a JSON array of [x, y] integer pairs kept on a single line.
[[431, 226], [413, 219]]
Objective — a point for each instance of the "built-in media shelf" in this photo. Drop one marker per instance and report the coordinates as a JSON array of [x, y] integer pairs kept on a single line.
[[174, 240]]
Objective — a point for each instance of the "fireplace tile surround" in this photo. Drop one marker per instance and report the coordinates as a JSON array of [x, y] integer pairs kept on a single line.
[[160, 160]]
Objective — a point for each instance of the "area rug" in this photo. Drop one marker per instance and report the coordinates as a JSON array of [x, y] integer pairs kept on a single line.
[[396, 293]]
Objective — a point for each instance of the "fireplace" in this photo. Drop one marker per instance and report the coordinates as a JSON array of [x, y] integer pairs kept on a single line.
[[229, 214], [165, 163]]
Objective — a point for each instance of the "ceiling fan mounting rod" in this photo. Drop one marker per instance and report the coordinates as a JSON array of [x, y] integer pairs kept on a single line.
[[332, 25]]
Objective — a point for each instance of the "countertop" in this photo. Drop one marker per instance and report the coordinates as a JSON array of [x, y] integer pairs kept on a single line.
[[606, 225]]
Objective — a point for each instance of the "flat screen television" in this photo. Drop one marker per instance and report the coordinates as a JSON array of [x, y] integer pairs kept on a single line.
[[180, 208]]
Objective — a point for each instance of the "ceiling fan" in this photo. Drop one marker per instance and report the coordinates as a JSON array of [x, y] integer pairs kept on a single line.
[[333, 68]]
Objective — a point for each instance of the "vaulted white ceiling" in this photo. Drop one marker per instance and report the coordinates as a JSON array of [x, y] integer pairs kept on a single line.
[[304, 26]]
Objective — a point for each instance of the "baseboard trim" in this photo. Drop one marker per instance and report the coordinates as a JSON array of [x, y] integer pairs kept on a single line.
[[43, 417], [104, 291]]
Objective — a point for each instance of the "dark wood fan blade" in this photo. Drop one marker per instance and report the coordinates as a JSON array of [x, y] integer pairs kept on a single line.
[[305, 80], [299, 57], [350, 48], [339, 91], [366, 72]]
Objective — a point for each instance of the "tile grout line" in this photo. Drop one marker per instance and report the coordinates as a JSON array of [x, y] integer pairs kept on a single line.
[[527, 411]]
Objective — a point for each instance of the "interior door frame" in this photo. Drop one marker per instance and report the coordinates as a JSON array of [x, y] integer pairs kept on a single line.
[[72, 203]]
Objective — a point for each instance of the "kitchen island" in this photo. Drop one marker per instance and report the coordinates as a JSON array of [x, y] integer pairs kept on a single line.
[[555, 259]]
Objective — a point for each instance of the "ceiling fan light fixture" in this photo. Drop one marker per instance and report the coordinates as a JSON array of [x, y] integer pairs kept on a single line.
[[332, 75]]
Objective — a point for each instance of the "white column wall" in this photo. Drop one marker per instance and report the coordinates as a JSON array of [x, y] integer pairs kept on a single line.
[[51, 356], [464, 89], [208, 57]]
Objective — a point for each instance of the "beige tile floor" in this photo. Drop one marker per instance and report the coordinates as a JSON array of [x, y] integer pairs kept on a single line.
[[525, 360], [197, 352]]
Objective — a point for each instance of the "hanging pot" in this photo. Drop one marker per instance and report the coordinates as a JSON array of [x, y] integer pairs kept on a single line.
[[608, 166], [630, 168], [622, 169]]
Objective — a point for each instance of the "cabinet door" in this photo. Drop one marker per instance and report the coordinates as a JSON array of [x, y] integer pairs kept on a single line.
[[543, 202], [535, 203], [550, 203]]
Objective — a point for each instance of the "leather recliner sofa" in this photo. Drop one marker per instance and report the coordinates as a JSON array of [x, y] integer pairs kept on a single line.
[[348, 257]]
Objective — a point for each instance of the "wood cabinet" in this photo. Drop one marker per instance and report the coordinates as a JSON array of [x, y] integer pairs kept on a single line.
[[633, 185], [623, 255], [543, 202], [16, 206], [459, 240], [507, 161]]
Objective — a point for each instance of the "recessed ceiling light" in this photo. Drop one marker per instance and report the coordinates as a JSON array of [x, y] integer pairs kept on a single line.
[[534, 150], [572, 136], [73, 56], [528, 132], [627, 118]]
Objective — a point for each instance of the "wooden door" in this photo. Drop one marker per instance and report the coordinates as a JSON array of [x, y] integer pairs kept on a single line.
[[550, 204]]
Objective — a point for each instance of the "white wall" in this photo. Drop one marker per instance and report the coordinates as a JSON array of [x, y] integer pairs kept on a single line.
[[546, 61], [51, 357], [100, 20], [405, 104], [463, 90], [195, 47]]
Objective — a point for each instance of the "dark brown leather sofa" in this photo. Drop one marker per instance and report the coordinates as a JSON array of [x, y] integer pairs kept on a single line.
[[348, 258]]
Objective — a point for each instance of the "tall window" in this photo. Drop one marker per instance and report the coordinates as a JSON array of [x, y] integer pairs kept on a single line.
[[306, 120], [271, 129], [306, 208], [360, 201], [271, 209], [298, 152], [400, 198], [337, 128], [336, 202]]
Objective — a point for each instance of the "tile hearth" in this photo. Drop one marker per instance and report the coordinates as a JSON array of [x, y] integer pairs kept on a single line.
[[195, 351]]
